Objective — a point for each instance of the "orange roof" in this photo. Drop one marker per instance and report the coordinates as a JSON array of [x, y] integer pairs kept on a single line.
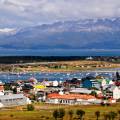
[[70, 96]]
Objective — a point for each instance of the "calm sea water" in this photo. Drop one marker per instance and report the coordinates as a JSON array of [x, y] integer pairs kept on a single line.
[[7, 77], [59, 52]]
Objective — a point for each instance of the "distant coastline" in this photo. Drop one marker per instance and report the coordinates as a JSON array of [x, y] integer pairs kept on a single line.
[[60, 52]]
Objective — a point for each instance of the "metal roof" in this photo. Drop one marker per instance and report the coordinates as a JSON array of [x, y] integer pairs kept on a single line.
[[81, 90], [13, 96]]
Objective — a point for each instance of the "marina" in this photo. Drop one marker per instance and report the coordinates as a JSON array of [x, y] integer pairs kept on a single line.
[[59, 76]]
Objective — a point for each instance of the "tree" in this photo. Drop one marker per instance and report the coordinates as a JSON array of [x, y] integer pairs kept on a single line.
[[55, 114], [93, 93], [15, 90], [30, 107], [7, 86], [119, 114], [97, 114], [70, 112], [80, 113], [61, 113], [113, 115], [105, 116]]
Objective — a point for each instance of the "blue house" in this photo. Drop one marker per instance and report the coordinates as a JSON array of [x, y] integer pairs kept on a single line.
[[90, 83]]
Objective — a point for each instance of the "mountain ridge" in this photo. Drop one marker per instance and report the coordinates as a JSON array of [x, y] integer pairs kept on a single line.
[[80, 34]]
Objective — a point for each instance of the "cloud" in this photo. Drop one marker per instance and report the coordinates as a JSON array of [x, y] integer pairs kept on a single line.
[[19, 13]]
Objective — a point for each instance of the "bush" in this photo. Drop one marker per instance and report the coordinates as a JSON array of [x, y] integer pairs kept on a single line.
[[70, 112], [42, 116], [47, 118], [59, 113], [30, 107], [56, 114], [102, 104], [80, 113], [112, 115], [11, 115], [97, 114]]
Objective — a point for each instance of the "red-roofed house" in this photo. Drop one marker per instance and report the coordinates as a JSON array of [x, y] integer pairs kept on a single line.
[[71, 99], [1, 87]]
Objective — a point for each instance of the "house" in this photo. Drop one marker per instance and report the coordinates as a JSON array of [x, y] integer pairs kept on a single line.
[[80, 91], [72, 83], [117, 78], [13, 100], [47, 83], [112, 91], [33, 80], [116, 93], [90, 83], [41, 96], [8, 92], [1, 86], [39, 87], [71, 99], [111, 82], [55, 83], [103, 82], [85, 91], [27, 88], [89, 58]]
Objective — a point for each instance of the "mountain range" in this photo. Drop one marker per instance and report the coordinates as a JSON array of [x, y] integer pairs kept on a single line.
[[99, 33]]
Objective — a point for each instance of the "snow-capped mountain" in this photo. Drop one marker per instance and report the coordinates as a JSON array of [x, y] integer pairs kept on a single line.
[[81, 34], [8, 31]]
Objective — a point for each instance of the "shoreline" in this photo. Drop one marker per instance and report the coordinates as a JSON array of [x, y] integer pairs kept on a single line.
[[117, 69]]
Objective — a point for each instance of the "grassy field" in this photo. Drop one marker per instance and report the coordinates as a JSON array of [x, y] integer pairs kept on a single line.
[[69, 66], [44, 112]]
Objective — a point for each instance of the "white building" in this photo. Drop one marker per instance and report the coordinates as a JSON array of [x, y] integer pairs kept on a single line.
[[111, 82], [116, 93], [113, 91], [55, 83], [80, 91], [71, 99], [103, 83], [13, 100]]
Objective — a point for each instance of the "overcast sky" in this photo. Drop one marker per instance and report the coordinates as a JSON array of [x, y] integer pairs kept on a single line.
[[22, 13]]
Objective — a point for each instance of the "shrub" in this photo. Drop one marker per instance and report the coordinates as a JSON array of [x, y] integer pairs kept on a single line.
[[97, 114], [61, 113], [11, 115], [55, 114], [47, 118], [80, 113], [30, 107], [113, 115], [70, 112]]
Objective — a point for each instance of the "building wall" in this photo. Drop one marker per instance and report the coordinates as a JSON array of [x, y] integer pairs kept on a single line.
[[72, 101], [87, 84], [1, 88], [116, 93], [60, 101], [8, 102]]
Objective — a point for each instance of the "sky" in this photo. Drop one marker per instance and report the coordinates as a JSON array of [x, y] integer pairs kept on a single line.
[[23, 13], [26, 13]]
